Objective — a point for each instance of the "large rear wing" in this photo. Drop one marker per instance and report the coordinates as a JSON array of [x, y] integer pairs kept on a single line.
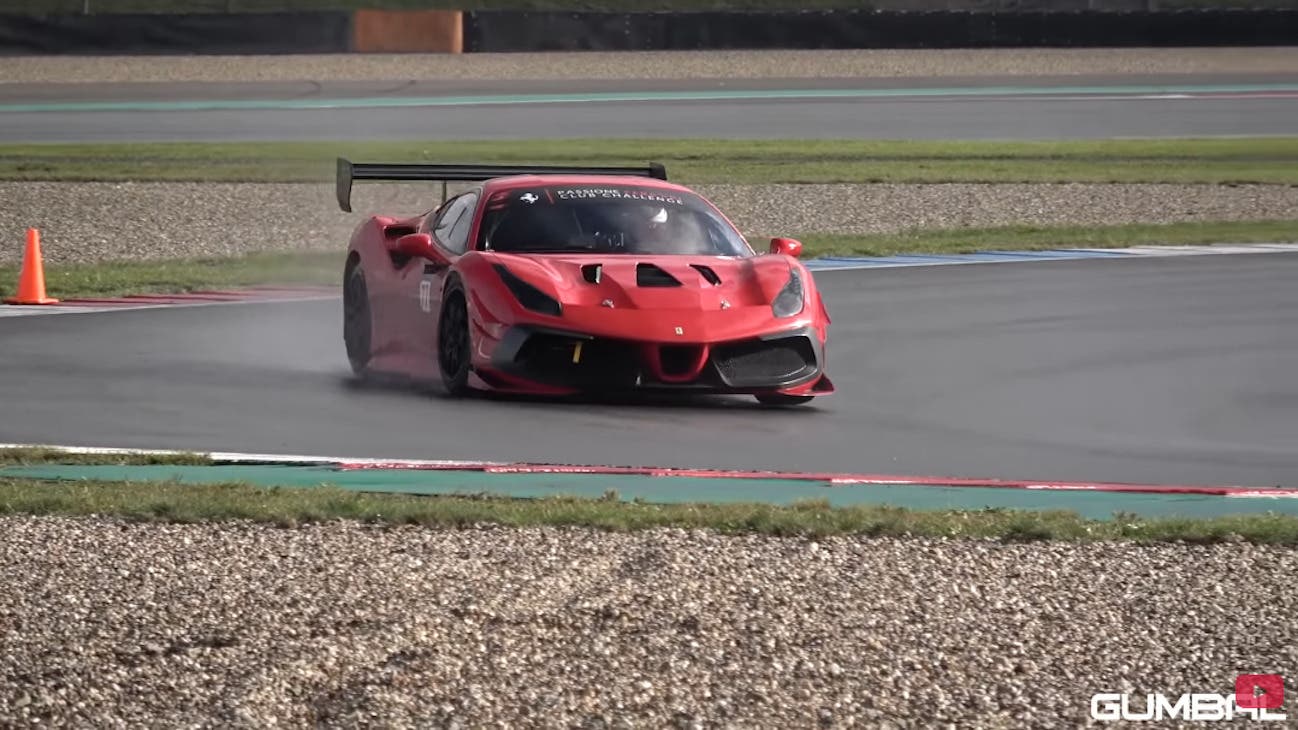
[[350, 171]]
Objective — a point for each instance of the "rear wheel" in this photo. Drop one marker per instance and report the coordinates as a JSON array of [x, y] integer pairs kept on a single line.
[[454, 349], [783, 399], [357, 322]]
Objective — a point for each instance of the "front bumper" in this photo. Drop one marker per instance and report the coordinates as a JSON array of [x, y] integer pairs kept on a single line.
[[558, 359]]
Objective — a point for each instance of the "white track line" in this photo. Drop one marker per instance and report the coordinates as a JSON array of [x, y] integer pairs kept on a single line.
[[238, 457], [15, 310], [899, 261]]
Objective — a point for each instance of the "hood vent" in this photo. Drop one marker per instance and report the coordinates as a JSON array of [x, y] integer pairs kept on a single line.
[[649, 275], [591, 273], [708, 274]]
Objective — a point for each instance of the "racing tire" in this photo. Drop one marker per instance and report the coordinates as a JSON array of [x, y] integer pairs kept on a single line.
[[454, 346], [783, 399], [358, 325]]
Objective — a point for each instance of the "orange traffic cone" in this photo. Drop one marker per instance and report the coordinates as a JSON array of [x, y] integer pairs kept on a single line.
[[31, 282]]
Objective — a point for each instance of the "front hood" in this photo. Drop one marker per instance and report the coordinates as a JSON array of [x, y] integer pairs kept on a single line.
[[678, 283]]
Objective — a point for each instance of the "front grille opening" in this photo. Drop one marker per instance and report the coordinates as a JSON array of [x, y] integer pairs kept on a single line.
[[601, 362], [545, 351], [649, 275], [708, 273], [592, 272], [768, 361], [678, 359]]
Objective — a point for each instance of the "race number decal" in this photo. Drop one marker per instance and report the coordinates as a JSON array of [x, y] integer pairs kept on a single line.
[[426, 295]]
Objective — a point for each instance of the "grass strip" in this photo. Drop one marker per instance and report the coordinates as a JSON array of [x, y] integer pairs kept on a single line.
[[34, 455], [174, 502], [691, 161], [118, 278], [186, 275]]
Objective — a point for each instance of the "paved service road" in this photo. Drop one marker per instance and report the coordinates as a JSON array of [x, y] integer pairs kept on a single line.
[[1046, 108], [1160, 370]]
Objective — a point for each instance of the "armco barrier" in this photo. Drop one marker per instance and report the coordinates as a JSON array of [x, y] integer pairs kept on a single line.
[[503, 31], [374, 31], [148, 34]]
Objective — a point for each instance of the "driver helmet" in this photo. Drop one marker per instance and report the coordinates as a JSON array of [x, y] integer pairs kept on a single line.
[[650, 223]]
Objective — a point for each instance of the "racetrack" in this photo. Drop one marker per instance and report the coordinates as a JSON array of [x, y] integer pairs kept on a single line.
[[1159, 370], [1162, 370], [934, 108]]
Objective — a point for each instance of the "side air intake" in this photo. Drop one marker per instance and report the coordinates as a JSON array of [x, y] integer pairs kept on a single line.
[[708, 274], [591, 273], [648, 275]]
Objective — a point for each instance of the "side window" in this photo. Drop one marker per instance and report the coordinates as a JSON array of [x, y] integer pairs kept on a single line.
[[430, 220], [458, 239], [441, 225], [452, 227]]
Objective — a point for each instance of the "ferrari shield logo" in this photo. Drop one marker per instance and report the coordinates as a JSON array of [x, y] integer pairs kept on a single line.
[[680, 330]]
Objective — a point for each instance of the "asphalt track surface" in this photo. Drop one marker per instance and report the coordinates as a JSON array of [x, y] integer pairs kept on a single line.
[[1162, 370], [999, 113], [1172, 370]]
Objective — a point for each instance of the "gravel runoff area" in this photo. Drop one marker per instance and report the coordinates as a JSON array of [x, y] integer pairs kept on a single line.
[[873, 63], [112, 624], [101, 221]]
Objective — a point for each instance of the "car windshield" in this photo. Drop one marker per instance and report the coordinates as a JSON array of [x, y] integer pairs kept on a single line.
[[606, 219]]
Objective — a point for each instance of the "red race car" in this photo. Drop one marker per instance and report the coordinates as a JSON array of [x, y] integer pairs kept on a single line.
[[568, 280]]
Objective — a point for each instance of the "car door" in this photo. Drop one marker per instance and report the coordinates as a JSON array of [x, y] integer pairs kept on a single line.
[[423, 287]]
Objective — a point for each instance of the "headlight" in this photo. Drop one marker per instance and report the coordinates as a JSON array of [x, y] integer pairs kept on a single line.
[[528, 295], [790, 300]]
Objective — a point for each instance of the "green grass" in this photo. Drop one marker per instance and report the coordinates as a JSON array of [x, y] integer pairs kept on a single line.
[[183, 275], [32, 455], [174, 502], [692, 161], [174, 276], [245, 6]]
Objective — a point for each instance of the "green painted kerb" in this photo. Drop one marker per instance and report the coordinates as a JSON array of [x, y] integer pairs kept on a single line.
[[375, 102], [665, 490]]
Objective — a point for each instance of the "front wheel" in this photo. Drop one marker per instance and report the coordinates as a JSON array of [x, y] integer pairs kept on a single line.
[[783, 399], [454, 349]]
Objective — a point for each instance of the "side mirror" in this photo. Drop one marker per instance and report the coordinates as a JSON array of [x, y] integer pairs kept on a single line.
[[420, 245], [787, 246]]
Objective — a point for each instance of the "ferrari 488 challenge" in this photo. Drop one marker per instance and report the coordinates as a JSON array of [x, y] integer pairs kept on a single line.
[[569, 280]]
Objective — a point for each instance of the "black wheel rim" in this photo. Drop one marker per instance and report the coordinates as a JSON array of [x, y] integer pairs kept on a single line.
[[454, 337]]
